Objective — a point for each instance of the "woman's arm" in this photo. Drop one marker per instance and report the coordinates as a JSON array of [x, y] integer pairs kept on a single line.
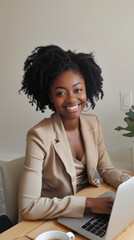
[[105, 168]]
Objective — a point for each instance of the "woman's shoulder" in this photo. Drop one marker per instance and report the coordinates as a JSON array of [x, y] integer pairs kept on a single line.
[[90, 120], [89, 117], [45, 125]]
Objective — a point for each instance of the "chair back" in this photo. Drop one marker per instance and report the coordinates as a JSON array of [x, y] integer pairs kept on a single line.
[[11, 174]]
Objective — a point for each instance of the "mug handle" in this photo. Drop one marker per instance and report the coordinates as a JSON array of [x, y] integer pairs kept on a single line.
[[71, 235]]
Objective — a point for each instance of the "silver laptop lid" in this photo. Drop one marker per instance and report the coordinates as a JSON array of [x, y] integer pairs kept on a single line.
[[123, 209]]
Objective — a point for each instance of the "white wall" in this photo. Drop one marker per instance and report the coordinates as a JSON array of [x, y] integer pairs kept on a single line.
[[105, 27]]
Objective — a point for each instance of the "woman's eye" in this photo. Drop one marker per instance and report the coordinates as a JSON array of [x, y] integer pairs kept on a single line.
[[60, 93], [78, 90]]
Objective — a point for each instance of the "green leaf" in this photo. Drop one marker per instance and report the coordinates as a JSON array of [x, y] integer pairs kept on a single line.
[[118, 128], [130, 134], [132, 107], [129, 123], [130, 114]]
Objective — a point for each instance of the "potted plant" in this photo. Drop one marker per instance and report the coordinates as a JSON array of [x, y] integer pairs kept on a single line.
[[130, 131], [130, 123]]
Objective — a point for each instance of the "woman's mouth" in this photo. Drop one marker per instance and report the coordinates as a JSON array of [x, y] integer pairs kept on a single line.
[[73, 108]]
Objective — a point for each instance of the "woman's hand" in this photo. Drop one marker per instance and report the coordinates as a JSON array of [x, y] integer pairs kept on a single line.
[[99, 205]]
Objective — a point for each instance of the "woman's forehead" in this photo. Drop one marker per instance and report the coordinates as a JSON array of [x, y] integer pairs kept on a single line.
[[68, 78]]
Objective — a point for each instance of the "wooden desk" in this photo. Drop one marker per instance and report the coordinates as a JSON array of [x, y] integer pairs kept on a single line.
[[30, 229]]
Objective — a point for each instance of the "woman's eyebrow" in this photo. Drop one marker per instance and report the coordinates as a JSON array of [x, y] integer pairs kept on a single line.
[[60, 87], [76, 84]]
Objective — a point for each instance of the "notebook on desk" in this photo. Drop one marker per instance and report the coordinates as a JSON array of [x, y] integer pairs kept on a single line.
[[103, 226]]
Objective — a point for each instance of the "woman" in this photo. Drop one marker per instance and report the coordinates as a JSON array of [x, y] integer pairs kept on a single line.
[[64, 151]]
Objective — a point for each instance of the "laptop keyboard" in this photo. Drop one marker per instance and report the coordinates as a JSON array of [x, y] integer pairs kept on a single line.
[[97, 225]]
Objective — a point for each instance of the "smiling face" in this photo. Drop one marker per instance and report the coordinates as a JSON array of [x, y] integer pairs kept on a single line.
[[68, 94]]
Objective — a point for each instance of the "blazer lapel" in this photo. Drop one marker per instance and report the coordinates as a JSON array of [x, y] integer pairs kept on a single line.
[[91, 153], [61, 146]]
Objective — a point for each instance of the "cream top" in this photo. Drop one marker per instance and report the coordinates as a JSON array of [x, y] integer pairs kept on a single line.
[[81, 174]]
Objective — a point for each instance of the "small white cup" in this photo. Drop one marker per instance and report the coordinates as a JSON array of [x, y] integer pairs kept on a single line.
[[56, 235]]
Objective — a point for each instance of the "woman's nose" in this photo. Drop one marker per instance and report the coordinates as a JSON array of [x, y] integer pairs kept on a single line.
[[70, 97]]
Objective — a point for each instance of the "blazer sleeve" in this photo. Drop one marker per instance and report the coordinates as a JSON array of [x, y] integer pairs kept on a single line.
[[105, 168], [32, 205]]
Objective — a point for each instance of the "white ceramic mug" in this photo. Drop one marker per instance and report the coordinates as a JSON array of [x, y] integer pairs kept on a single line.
[[57, 235]]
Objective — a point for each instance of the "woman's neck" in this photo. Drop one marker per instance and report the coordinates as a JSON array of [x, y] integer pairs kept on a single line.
[[70, 124]]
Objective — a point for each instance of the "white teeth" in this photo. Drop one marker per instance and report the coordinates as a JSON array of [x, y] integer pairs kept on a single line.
[[72, 108]]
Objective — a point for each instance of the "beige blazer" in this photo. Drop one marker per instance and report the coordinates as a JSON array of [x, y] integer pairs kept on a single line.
[[48, 182]]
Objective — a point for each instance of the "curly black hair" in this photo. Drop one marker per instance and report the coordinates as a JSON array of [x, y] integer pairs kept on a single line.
[[46, 63]]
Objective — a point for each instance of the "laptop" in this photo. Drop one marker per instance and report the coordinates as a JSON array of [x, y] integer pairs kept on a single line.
[[104, 226]]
